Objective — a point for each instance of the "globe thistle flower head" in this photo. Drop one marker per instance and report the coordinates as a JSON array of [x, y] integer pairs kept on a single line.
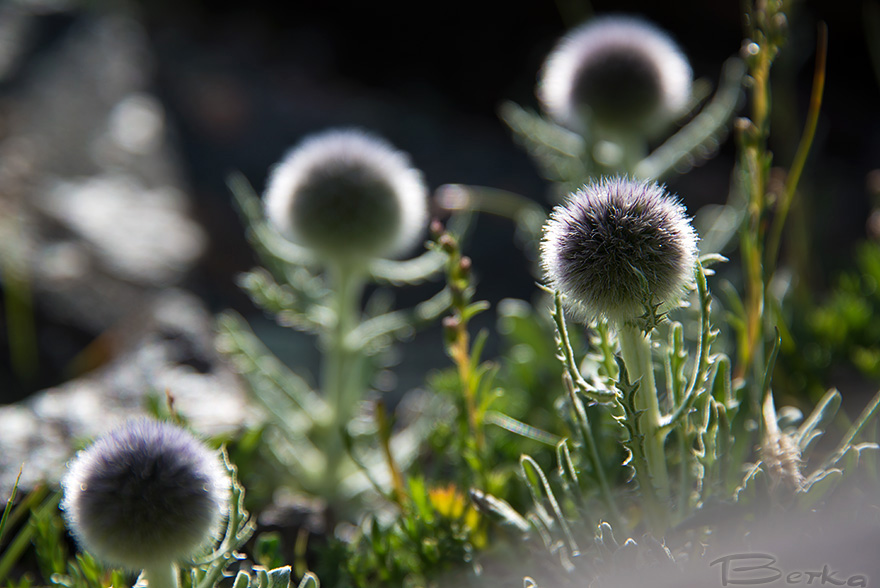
[[147, 493], [616, 71], [347, 194], [618, 245]]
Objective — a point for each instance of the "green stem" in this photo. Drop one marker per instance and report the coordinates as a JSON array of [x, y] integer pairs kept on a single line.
[[686, 457], [339, 382], [654, 511], [803, 150], [162, 576], [572, 379], [589, 441], [341, 364], [635, 347]]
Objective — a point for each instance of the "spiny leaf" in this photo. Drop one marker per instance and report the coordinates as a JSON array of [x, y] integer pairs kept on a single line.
[[814, 425], [499, 510], [539, 485], [519, 428], [818, 487]]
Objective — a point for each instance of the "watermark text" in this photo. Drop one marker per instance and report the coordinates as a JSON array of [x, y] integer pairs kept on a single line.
[[755, 569]]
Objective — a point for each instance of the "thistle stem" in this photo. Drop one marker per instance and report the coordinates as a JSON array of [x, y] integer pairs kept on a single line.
[[340, 367], [161, 576], [341, 364], [635, 347]]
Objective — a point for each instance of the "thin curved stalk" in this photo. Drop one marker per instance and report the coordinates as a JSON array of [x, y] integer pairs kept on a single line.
[[803, 150]]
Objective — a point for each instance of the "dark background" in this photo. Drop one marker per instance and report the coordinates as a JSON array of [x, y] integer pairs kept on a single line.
[[243, 82]]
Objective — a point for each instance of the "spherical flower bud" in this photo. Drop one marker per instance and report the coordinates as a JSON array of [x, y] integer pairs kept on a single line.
[[616, 71], [618, 245], [146, 494], [347, 194]]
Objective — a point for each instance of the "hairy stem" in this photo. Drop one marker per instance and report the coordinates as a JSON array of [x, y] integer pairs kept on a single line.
[[341, 366], [635, 347]]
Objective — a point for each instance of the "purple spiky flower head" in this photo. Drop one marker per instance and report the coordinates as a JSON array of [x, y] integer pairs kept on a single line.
[[620, 72], [613, 239], [148, 493], [345, 194]]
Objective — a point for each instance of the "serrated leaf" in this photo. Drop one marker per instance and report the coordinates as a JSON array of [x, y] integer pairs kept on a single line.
[[867, 415], [368, 334], [410, 271], [309, 580], [279, 577], [720, 383], [818, 486], [697, 138], [499, 510], [813, 427], [557, 151], [273, 383], [851, 458], [519, 428], [747, 491], [605, 537], [242, 580]]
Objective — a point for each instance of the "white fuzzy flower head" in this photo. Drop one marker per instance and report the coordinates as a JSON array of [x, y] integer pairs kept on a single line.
[[619, 72], [148, 493], [347, 194], [610, 241]]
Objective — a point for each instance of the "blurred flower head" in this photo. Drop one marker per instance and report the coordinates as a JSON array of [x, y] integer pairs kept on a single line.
[[146, 493], [348, 194], [618, 72], [617, 245]]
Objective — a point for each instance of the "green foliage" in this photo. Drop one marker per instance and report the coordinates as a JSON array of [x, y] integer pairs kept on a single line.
[[436, 529], [845, 329], [310, 441]]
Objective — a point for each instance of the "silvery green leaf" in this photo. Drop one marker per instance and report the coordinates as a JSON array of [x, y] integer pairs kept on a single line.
[[813, 426], [309, 580], [242, 580], [605, 537], [499, 510], [557, 151], [748, 488], [262, 577], [851, 458], [408, 271], [699, 139], [818, 486], [867, 415], [279, 577]]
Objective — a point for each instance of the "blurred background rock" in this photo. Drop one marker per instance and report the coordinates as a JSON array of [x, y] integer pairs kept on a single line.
[[119, 122]]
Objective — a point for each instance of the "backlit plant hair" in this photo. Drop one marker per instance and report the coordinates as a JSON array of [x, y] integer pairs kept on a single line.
[[617, 72], [617, 246], [345, 194], [144, 496]]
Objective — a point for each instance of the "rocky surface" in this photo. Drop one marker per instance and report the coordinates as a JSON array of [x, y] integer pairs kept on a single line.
[[97, 238], [167, 348], [90, 179]]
